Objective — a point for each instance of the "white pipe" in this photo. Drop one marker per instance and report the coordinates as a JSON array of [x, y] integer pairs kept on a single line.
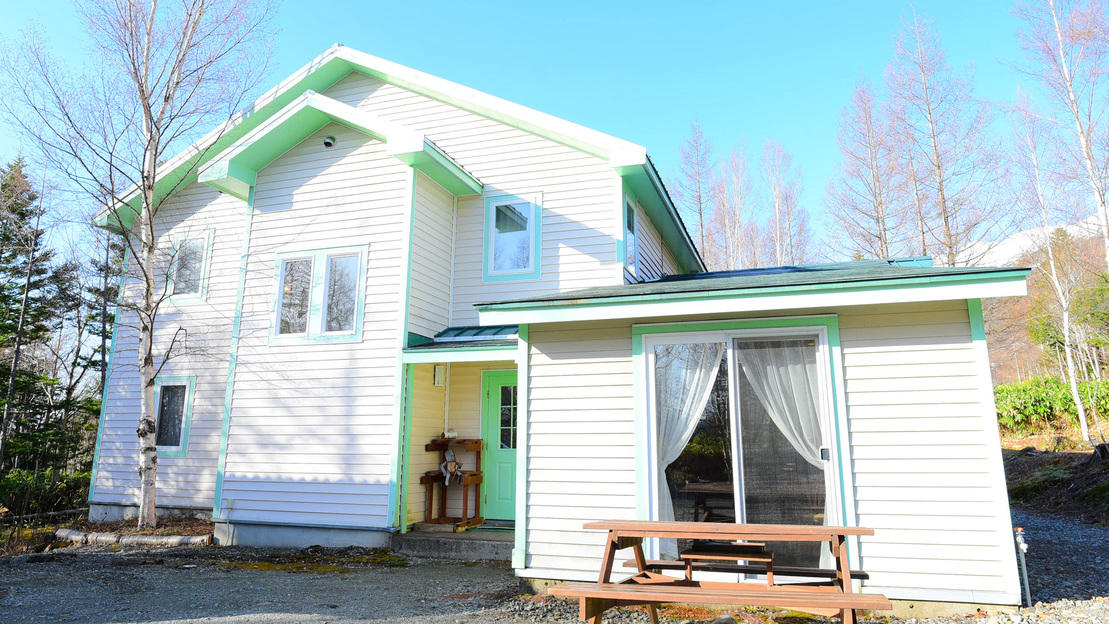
[[447, 400]]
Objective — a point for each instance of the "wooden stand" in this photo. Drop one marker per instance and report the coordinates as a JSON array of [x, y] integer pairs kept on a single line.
[[469, 477]]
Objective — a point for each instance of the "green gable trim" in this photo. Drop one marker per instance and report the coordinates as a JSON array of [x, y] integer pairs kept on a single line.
[[644, 183], [235, 170], [977, 322]]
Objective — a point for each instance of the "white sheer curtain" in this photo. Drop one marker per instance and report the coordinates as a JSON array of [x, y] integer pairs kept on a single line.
[[684, 376], [785, 378]]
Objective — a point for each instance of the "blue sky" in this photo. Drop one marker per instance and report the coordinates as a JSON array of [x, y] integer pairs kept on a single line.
[[637, 70]]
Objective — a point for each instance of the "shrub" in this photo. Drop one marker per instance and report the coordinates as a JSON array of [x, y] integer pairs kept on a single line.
[[1046, 402], [24, 492]]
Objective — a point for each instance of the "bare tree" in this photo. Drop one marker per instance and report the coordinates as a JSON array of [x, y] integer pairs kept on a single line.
[[1068, 54], [734, 246], [788, 227], [948, 133], [695, 187], [864, 199], [164, 72], [1058, 266]]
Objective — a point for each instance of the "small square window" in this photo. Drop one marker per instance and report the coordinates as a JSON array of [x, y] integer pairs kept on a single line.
[[512, 238], [296, 289], [342, 293]]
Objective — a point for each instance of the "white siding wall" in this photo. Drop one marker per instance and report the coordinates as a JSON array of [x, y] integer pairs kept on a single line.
[[311, 431], [925, 451], [580, 193], [652, 253], [923, 442], [187, 481], [432, 244], [581, 443]]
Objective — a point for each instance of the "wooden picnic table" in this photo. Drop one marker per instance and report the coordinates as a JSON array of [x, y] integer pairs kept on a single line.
[[648, 587]]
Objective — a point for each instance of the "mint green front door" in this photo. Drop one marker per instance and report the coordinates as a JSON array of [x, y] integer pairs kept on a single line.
[[498, 429]]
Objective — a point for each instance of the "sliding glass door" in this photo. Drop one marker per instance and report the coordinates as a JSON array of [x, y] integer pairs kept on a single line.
[[740, 423]]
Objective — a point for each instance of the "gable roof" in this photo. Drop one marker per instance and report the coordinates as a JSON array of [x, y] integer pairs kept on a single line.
[[629, 160], [811, 285]]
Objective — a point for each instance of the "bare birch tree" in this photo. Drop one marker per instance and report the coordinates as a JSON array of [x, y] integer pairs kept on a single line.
[[734, 244], [163, 73], [788, 221], [948, 133], [864, 199], [1064, 274], [695, 186], [1068, 54]]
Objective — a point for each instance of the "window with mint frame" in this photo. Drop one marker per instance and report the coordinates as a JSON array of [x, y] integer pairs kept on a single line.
[[513, 228], [319, 295], [189, 265], [173, 398], [631, 248]]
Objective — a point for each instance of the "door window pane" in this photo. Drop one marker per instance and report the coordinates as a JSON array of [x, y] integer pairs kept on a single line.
[[783, 472], [508, 417], [296, 288], [342, 292], [188, 265], [512, 238], [171, 415]]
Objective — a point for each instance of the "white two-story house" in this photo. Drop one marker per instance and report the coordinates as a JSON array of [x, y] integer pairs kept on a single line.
[[374, 257]]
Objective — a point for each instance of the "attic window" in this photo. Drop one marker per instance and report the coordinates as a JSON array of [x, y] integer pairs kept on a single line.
[[512, 238], [631, 253]]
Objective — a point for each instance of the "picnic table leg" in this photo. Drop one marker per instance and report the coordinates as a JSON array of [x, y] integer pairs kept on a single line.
[[641, 564], [843, 574]]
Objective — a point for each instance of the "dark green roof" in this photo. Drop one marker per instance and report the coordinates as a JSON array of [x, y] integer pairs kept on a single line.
[[767, 278], [470, 337]]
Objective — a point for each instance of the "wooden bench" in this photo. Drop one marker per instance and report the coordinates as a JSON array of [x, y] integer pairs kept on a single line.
[[831, 596]]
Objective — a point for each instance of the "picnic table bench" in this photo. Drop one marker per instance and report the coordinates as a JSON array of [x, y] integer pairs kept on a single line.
[[730, 544]]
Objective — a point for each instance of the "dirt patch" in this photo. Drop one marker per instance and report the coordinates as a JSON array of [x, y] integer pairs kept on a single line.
[[1070, 483], [174, 526]]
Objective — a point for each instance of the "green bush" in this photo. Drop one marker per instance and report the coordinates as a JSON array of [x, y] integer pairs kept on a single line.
[[1046, 402], [24, 492]]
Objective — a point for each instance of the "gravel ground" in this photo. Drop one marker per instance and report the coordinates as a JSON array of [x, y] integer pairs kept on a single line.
[[1068, 563]]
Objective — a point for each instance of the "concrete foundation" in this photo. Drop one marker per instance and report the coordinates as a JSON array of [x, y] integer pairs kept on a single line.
[[115, 513], [931, 609], [280, 536], [466, 546]]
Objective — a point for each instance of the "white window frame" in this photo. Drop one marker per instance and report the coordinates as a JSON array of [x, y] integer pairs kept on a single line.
[[315, 327], [535, 232], [205, 264], [631, 248], [833, 478]]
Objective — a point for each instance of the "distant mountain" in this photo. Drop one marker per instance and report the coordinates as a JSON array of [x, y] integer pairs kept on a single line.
[[1009, 251]]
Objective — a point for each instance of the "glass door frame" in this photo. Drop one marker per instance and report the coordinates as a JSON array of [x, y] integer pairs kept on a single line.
[[824, 328]]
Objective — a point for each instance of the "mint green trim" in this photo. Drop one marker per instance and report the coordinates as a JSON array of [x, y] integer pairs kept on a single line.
[[397, 472], [205, 268], [1016, 275], [108, 375], [490, 429], [621, 243], [233, 358], [314, 328], [189, 382], [523, 385], [630, 267], [977, 323], [835, 372], [536, 270], [435, 164], [406, 445], [644, 183], [415, 339], [467, 354]]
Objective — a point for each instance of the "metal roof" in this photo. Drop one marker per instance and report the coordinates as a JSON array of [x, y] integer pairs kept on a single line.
[[764, 278], [471, 337]]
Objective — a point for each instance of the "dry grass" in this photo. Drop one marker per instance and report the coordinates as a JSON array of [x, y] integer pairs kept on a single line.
[[171, 526]]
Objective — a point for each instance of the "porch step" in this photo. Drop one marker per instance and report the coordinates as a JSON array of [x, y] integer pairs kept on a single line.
[[468, 545]]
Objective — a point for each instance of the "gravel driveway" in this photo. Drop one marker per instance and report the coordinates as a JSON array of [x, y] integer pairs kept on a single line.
[[1069, 570]]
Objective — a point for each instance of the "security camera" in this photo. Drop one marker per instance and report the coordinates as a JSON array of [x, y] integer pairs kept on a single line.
[[329, 142]]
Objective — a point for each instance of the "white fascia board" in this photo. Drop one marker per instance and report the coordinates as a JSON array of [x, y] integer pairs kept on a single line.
[[617, 151], [706, 304], [444, 356]]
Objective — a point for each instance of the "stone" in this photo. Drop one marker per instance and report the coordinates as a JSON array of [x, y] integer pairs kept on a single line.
[[724, 619]]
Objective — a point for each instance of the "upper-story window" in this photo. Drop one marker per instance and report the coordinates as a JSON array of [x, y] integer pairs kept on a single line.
[[320, 295], [512, 237], [631, 252], [189, 265]]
